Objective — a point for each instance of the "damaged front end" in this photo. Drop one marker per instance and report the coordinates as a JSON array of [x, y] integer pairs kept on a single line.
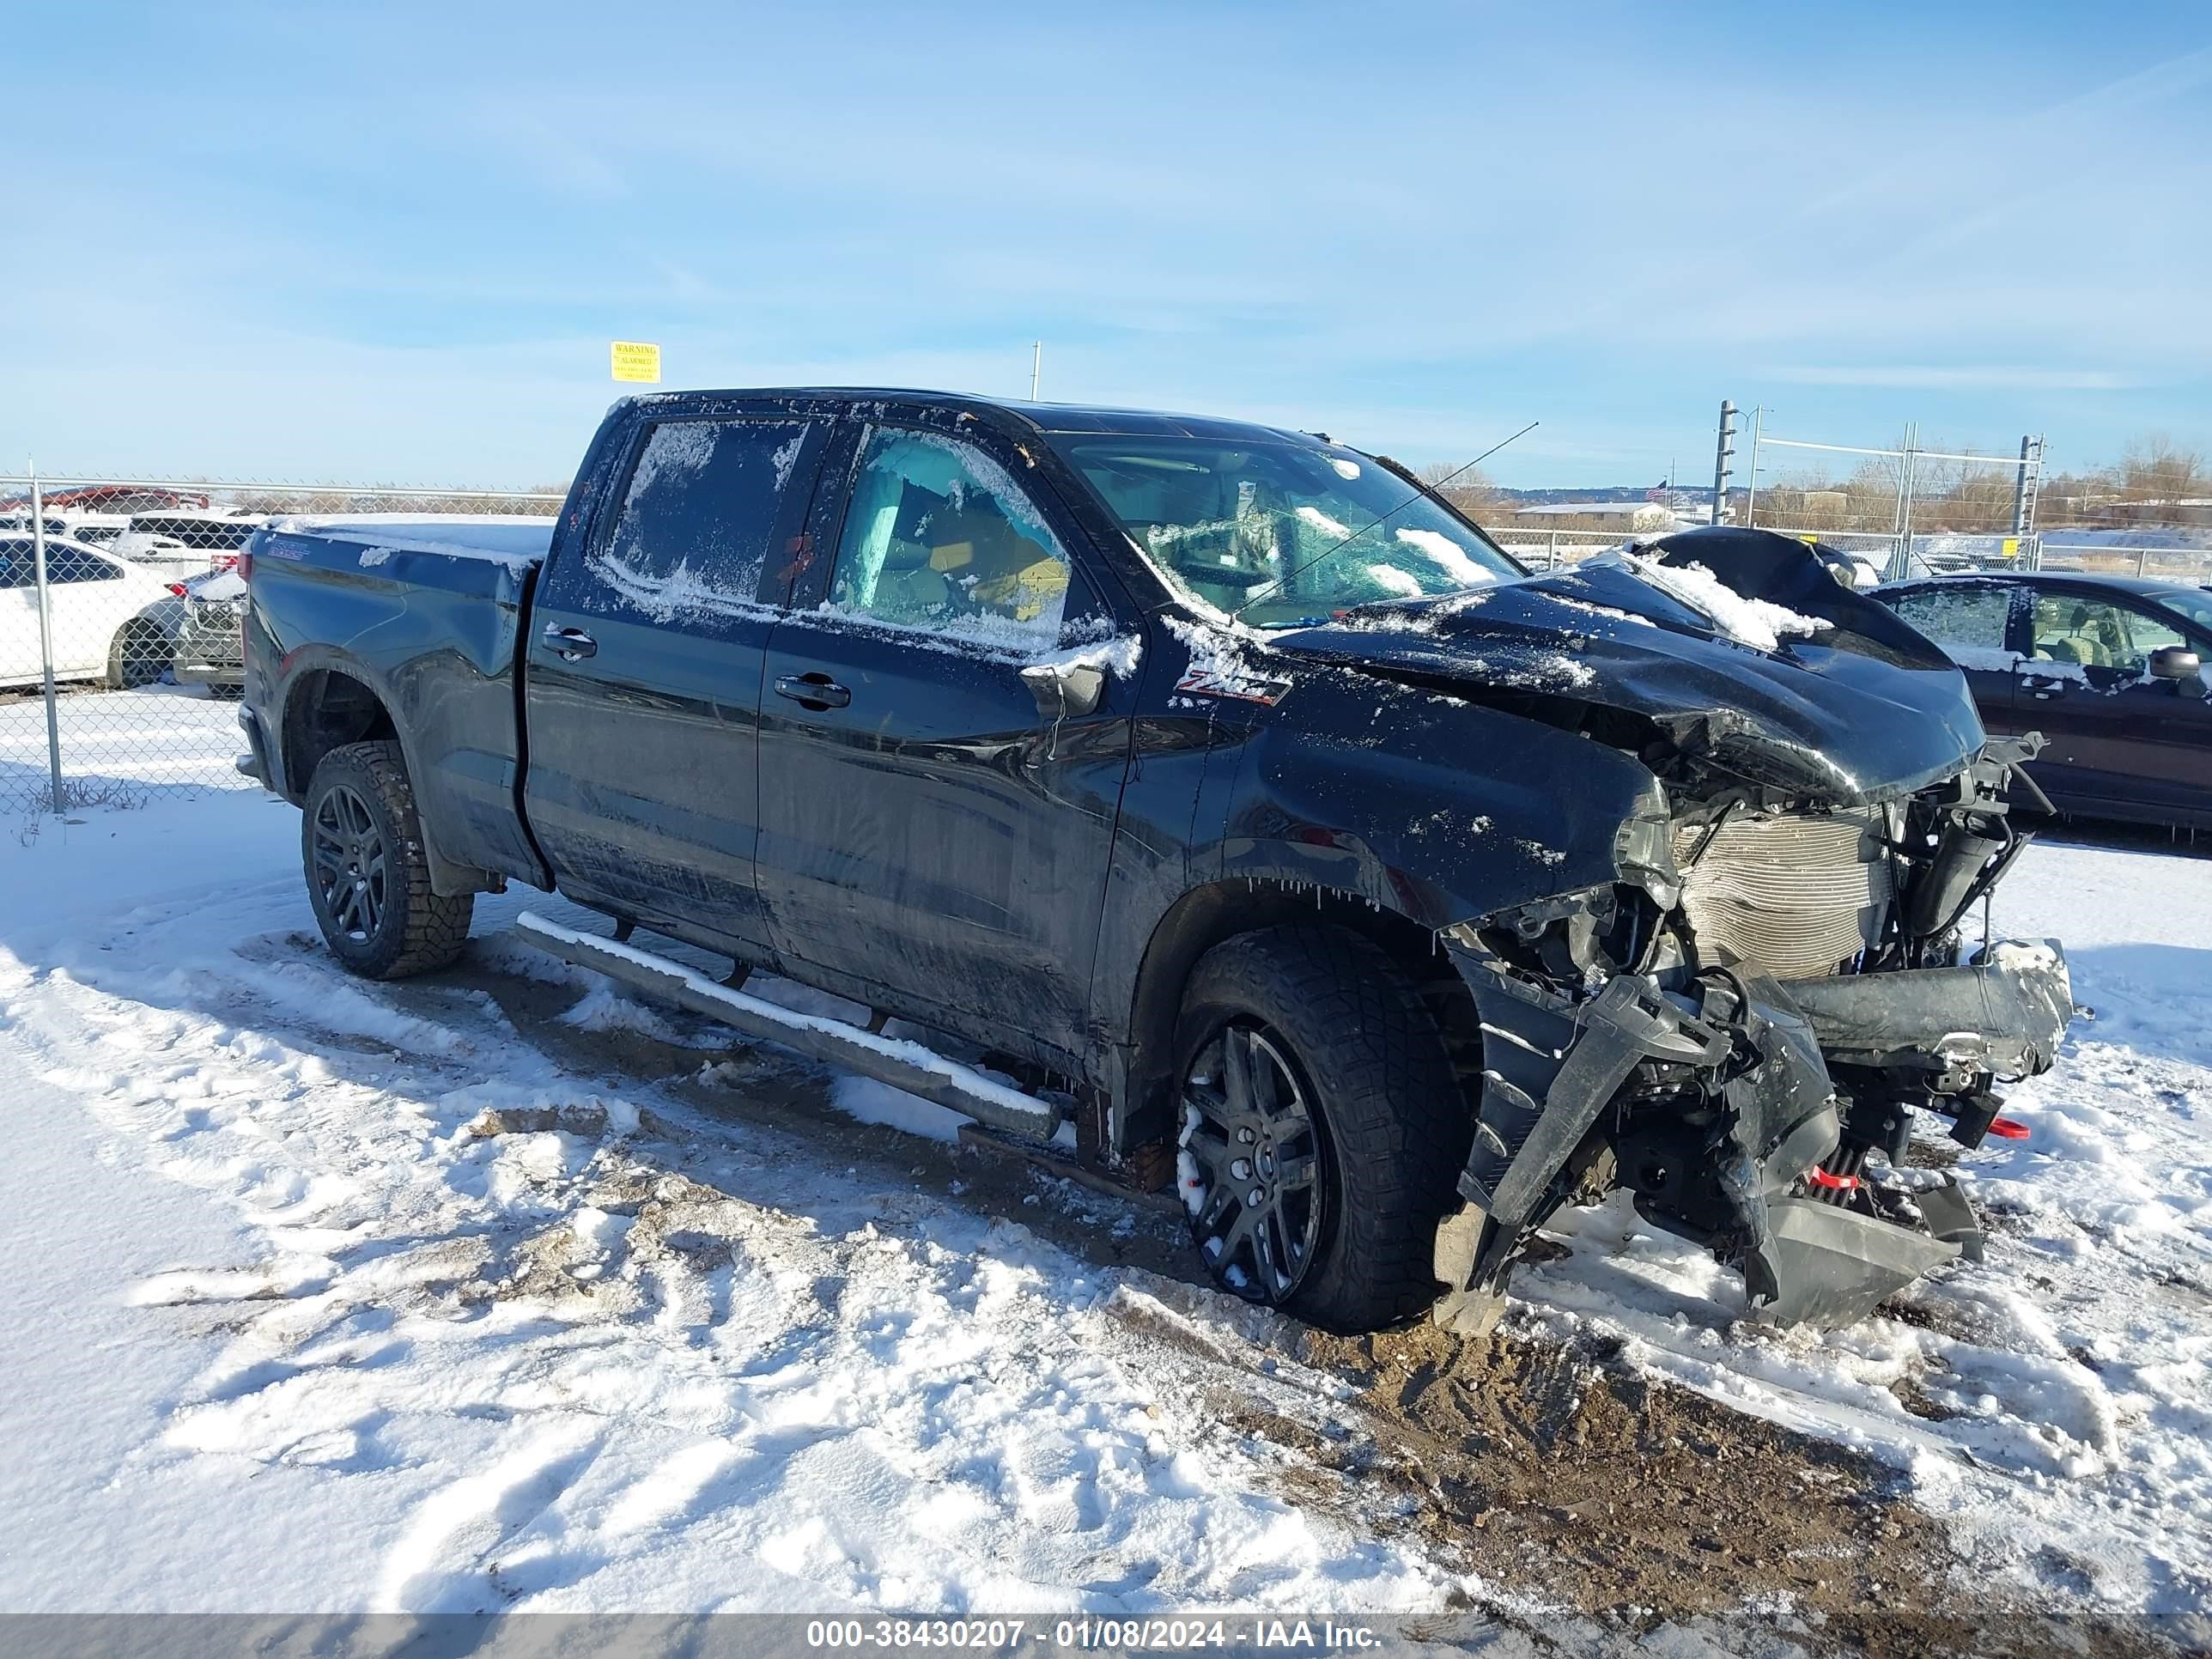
[[1733, 1029]]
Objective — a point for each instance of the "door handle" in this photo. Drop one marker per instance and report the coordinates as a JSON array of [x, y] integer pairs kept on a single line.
[[816, 691], [573, 643]]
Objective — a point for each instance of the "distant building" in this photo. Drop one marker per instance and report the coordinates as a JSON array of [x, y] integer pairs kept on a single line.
[[1629, 515]]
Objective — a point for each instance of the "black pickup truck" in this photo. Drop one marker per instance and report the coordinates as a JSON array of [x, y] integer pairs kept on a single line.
[[1226, 790]]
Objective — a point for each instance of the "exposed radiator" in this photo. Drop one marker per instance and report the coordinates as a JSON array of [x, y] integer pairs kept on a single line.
[[1793, 894]]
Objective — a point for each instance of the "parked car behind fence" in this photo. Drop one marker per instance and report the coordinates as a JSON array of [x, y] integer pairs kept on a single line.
[[2108, 668]]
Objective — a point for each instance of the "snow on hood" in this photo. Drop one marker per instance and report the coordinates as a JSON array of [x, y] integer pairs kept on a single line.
[[1758, 623]]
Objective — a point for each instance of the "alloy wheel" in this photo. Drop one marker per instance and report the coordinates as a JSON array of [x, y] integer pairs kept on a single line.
[[349, 864], [1250, 1168]]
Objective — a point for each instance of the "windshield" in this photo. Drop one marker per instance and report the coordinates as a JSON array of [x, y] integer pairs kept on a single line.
[[2193, 603], [1286, 534]]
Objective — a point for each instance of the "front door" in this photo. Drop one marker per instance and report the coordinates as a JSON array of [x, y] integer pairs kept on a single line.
[[928, 837], [2119, 740], [643, 691]]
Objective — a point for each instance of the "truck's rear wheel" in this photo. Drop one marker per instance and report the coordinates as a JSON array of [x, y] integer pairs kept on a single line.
[[1323, 1127], [367, 875]]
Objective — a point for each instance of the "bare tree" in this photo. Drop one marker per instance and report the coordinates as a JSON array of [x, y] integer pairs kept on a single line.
[[1470, 491], [2156, 469]]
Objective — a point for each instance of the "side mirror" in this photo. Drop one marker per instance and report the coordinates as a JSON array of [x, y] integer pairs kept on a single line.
[[1062, 691], [2176, 662]]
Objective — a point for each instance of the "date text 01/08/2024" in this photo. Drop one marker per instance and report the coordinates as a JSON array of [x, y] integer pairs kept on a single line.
[[1294, 1635]]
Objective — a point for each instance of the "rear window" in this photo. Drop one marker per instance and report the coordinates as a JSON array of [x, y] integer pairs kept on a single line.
[[698, 515], [1967, 620]]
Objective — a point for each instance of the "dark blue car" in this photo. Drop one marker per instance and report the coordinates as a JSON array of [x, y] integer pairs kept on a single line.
[[2110, 669]]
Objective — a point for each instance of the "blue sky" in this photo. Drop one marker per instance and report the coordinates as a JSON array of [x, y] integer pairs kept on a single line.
[[392, 242]]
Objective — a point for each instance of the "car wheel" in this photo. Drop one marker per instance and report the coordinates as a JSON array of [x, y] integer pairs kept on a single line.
[[368, 877], [136, 658], [1323, 1127]]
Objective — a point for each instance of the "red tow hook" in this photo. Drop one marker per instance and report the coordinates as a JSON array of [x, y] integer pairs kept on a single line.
[[1834, 1183], [2006, 1129]]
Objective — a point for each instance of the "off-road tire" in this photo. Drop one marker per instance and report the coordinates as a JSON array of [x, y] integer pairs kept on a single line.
[[136, 656], [417, 932], [1395, 1125]]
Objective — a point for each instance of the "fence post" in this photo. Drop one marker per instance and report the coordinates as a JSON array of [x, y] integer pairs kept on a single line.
[[1552, 550], [2143, 558], [46, 637]]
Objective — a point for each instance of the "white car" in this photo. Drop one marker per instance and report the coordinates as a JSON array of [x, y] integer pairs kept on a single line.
[[183, 543], [113, 621]]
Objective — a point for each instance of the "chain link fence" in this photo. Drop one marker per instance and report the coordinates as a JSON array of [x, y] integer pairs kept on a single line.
[[120, 625]]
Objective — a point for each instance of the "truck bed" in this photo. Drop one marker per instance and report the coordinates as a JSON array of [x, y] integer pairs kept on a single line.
[[424, 610]]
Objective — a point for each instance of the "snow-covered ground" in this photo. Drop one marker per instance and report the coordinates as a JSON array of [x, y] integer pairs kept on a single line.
[[117, 745], [430, 1297]]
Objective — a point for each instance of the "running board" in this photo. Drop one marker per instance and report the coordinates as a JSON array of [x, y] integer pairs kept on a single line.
[[902, 1065]]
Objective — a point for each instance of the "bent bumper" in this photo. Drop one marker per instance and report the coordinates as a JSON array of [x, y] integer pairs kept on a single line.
[[2004, 1015], [1753, 1072]]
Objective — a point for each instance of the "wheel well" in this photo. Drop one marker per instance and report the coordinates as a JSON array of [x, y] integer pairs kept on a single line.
[[326, 710], [1209, 915]]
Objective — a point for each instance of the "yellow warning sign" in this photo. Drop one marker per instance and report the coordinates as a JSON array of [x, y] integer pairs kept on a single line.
[[2011, 547], [635, 360]]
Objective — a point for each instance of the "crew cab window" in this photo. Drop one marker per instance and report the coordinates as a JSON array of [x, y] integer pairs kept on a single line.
[[2097, 633], [1968, 621], [939, 537], [698, 516]]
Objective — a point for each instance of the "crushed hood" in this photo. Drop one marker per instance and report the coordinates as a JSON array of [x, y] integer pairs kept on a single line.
[[1858, 708]]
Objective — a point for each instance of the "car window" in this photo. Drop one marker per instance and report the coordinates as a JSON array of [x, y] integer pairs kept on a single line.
[[2194, 603], [1968, 621], [698, 513], [2097, 633], [938, 536], [74, 564], [216, 535], [15, 564]]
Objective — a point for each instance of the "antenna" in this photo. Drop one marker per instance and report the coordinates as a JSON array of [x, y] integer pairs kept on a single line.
[[1036, 366], [1419, 493]]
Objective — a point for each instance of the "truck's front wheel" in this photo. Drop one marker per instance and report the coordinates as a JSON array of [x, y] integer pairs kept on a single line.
[[368, 877], [1322, 1127]]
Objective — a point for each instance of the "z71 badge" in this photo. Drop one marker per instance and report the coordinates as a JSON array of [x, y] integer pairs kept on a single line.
[[1227, 682]]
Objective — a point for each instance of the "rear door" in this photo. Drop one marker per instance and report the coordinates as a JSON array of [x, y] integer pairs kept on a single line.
[[1977, 622], [644, 653], [2120, 741], [928, 837]]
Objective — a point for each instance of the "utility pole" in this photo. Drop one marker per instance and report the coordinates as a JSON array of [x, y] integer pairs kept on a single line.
[[1751, 496], [1037, 366], [1721, 451], [2027, 484]]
